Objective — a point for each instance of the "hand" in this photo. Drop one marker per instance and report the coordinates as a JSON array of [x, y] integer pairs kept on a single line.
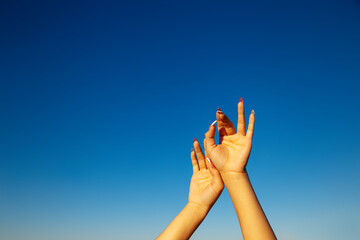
[[206, 183], [233, 152], [205, 188]]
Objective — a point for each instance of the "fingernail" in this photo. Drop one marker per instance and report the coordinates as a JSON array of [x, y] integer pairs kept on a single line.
[[219, 110], [192, 150], [213, 123], [241, 99], [195, 139], [252, 111], [210, 162]]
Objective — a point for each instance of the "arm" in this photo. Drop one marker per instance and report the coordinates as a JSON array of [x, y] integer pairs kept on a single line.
[[230, 158], [205, 188], [252, 219], [185, 223]]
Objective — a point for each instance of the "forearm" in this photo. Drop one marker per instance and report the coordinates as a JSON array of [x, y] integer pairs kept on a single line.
[[252, 219], [185, 223]]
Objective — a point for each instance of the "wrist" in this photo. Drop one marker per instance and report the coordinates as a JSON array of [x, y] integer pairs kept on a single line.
[[230, 177], [198, 208]]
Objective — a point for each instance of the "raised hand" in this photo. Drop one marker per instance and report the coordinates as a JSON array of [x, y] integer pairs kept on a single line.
[[205, 188], [230, 158], [206, 183], [232, 154]]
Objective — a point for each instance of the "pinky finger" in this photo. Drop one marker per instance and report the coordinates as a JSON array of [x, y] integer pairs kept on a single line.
[[194, 161], [250, 130]]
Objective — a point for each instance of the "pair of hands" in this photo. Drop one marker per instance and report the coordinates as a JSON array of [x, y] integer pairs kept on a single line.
[[227, 166], [228, 158]]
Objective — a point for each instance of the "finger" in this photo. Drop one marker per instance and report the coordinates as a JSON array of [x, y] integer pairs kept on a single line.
[[214, 172], [194, 161], [241, 118], [225, 126], [210, 139], [199, 154], [250, 130], [206, 155]]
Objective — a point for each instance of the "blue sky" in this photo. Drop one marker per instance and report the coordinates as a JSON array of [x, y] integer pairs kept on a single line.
[[100, 101]]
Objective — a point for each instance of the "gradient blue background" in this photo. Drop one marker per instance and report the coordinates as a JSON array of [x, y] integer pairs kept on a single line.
[[100, 101]]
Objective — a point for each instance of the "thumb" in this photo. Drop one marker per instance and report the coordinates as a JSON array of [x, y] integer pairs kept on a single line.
[[210, 144], [215, 173]]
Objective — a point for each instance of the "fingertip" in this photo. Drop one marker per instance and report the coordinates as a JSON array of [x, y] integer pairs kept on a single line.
[[219, 114], [241, 108], [211, 131], [211, 169], [213, 123], [252, 115], [210, 163], [194, 144], [212, 128]]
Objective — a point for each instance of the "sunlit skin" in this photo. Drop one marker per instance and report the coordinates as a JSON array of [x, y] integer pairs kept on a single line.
[[233, 152], [205, 188], [206, 183], [227, 165], [230, 157]]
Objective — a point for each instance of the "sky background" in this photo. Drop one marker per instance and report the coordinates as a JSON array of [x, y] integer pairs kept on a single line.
[[100, 101]]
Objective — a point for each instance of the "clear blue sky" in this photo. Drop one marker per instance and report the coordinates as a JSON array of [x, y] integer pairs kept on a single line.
[[100, 101]]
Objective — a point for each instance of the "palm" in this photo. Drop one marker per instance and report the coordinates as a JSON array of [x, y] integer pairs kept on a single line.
[[203, 189], [206, 183], [232, 154]]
